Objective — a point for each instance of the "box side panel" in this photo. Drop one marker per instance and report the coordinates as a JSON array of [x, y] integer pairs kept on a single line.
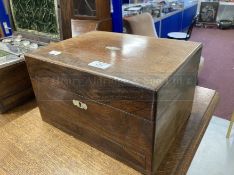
[[174, 104], [76, 103], [15, 86]]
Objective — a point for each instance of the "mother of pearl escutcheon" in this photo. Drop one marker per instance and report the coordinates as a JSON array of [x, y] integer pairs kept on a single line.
[[79, 104]]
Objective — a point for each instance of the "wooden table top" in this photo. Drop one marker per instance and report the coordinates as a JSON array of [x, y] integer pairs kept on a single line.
[[30, 146]]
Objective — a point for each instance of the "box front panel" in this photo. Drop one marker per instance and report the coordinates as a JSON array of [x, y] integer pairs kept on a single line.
[[74, 103], [122, 95]]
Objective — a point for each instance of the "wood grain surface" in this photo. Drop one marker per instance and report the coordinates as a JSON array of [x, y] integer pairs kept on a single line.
[[65, 12], [123, 109], [83, 26], [125, 53], [30, 146], [72, 25], [15, 86], [181, 153]]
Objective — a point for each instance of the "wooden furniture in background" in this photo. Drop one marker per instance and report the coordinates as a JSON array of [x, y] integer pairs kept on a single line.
[[15, 86], [146, 96], [30, 146], [230, 126], [83, 26], [65, 16], [73, 24], [83, 20], [101, 7]]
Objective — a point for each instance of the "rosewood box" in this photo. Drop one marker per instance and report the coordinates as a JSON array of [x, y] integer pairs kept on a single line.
[[125, 95]]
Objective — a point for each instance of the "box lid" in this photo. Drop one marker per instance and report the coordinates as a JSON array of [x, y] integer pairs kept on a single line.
[[145, 62]]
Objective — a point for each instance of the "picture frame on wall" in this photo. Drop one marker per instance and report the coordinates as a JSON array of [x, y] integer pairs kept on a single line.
[[208, 12]]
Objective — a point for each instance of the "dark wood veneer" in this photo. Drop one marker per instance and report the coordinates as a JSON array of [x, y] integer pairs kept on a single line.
[[134, 119], [15, 86]]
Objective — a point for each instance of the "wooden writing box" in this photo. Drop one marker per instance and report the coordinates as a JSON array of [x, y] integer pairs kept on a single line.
[[130, 104]]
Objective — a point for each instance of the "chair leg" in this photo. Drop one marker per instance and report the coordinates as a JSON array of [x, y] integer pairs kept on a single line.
[[230, 126]]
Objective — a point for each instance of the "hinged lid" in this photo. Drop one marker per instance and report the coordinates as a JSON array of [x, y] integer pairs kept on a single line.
[[144, 61], [141, 64]]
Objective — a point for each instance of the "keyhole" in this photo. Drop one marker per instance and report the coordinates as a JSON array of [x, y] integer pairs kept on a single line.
[[80, 105]]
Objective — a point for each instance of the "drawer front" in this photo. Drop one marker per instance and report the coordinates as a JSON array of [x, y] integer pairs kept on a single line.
[[122, 95], [125, 137]]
